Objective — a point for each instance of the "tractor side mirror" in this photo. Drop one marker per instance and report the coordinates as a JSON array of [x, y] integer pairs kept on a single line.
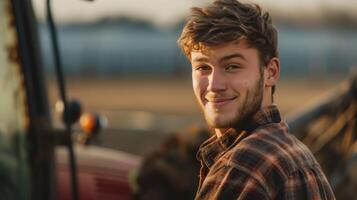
[[90, 123]]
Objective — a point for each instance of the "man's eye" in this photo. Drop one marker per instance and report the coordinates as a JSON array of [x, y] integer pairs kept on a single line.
[[203, 68], [232, 67]]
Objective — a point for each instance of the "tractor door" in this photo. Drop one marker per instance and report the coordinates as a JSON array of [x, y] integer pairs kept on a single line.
[[26, 153]]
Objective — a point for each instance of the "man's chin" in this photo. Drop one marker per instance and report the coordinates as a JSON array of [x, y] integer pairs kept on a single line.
[[220, 123]]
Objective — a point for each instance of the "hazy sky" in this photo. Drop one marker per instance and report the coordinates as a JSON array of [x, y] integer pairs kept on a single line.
[[167, 11]]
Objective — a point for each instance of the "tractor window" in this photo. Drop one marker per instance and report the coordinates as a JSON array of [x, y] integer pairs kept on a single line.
[[13, 116]]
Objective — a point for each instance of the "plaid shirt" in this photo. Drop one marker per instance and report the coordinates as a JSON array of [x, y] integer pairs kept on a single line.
[[263, 161]]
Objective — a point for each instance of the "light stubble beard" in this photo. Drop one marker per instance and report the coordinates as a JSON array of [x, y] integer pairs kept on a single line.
[[251, 105]]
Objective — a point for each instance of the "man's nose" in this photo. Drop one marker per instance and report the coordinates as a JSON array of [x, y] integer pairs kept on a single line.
[[216, 81]]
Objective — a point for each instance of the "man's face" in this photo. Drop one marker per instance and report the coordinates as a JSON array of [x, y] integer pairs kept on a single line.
[[227, 83]]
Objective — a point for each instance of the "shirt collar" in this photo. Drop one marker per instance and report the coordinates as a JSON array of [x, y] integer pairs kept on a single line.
[[264, 116], [212, 149]]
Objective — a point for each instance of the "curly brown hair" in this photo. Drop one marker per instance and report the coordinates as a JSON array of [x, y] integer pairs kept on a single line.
[[228, 20]]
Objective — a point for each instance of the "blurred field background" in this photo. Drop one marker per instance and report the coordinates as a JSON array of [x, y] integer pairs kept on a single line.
[[175, 96], [141, 112]]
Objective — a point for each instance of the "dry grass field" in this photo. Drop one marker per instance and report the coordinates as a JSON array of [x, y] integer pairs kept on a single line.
[[140, 110], [175, 96]]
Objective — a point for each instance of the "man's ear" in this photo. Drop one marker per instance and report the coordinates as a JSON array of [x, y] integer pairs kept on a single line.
[[272, 72]]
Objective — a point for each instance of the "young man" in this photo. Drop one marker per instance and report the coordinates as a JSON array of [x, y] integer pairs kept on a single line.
[[232, 48]]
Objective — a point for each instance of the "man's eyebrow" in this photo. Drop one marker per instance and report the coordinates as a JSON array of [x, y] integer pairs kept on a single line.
[[235, 55], [200, 59]]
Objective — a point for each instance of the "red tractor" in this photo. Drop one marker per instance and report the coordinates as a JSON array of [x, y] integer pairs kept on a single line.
[[38, 161]]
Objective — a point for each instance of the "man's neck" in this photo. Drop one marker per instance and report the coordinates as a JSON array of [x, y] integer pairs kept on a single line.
[[221, 131]]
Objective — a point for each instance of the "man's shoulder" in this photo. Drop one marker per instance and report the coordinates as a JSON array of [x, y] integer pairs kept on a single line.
[[278, 162], [270, 149]]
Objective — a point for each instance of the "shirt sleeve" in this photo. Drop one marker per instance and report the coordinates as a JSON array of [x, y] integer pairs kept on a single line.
[[228, 183], [308, 183]]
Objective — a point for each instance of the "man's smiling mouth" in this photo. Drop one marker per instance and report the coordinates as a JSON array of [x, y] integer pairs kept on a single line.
[[218, 102]]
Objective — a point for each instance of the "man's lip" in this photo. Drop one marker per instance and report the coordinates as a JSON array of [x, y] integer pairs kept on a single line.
[[219, 101]]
